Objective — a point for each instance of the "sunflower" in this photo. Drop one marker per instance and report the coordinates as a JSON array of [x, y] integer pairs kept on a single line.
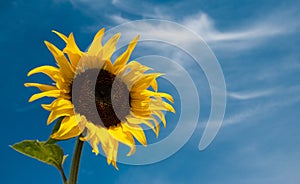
[[105, 102]]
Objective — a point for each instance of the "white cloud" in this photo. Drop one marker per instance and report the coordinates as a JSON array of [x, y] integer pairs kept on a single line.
[[115, 2], [249, 95], [118, 19], [244, 35], [263, 109], [204, 25], [240, 37], [144, 9], [239, 117]]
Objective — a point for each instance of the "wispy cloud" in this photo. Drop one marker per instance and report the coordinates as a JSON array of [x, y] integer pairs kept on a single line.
[[142, 9], [244, 35], [249, 94], [239, 37], [119, 19], [259, 109]]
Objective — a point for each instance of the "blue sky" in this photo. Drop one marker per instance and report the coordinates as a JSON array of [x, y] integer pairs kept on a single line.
[[256, 45]]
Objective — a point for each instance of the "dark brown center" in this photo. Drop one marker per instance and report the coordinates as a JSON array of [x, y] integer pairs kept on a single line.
[[100, 96]]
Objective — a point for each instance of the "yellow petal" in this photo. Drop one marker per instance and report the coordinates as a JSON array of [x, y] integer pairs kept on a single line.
[[96, 135], [90, 62], [92, 137], [42, 87], [136, 66], [145, 81], [73, 51], [60, 102], [136, 131], [71, 48], [109, 145], [63, 85], [59, 113], [122, 59], [114, 154], [52, 93], [110, 46], [124, 137], [136, 72], [140, 103], [157, 127], [96, 45], [111, 152], [160, 94], [136, 121], [49, 107], [142, 113], [161, 116], [68, 129], [94, 143], [154, 85], [66, 70], [132, 77], [161, 105], [108, 66], [50, 71], [62, 36], [169, 107], [140, 95], [167, 96], [91, 131], [55, 74]]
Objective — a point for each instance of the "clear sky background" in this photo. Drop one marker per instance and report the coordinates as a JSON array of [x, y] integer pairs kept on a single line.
[[257, 46]]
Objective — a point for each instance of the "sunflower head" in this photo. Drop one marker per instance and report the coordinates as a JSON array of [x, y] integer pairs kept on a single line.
[[105, 101]]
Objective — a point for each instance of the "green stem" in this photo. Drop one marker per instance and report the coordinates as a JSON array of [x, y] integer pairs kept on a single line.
[[75, 162], [64, 178]]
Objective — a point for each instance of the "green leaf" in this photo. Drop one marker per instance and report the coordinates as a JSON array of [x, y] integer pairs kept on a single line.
[[48, 153]]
